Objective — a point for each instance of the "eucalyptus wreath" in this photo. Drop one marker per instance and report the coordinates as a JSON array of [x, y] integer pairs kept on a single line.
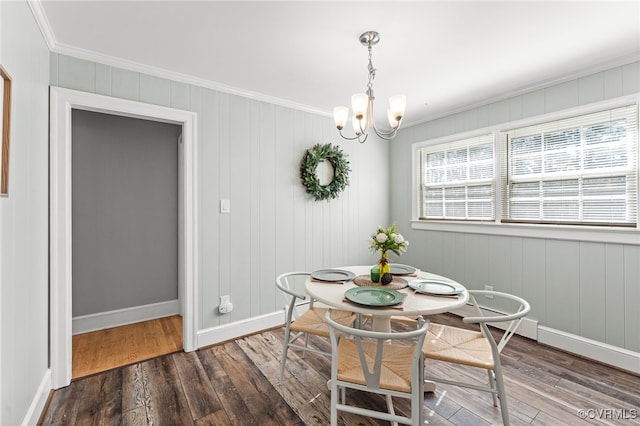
[[310, 161]]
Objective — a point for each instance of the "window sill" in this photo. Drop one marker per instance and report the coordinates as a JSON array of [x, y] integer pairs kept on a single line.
[[555, 232]]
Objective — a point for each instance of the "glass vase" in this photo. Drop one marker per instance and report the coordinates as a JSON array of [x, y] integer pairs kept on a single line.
[[383, 265]]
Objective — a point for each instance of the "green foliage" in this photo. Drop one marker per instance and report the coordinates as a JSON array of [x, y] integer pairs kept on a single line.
[[310, 161]]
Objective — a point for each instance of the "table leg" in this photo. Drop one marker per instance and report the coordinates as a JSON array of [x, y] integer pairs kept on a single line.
[[381, 324]]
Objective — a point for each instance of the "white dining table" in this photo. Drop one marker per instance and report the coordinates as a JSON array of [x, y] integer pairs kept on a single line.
[[414, 303]]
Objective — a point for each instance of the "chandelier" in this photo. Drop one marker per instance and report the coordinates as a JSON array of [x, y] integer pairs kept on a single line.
[[362, 104]]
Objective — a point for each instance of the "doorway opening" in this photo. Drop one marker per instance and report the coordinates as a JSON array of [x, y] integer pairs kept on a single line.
[[63, 102], [125, 197]]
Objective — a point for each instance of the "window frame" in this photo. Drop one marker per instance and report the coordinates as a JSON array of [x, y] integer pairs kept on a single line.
[[583, 232]]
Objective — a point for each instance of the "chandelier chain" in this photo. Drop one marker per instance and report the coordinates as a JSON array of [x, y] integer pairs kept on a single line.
[[372, 73]]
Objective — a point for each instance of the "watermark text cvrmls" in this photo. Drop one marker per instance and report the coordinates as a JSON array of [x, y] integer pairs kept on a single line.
[[608, 413]]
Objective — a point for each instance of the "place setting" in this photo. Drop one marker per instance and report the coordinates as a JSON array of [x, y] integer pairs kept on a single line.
[[375, 297], [332, 276], [433, 287]]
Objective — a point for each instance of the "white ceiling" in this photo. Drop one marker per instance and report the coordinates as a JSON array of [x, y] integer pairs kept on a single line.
[[444, 55]]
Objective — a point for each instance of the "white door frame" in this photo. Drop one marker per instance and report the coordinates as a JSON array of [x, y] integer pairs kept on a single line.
[[62, 102]]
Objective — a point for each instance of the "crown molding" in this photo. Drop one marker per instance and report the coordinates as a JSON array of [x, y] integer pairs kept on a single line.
[[43, 22], [56, 47], [64, 49], [533, 86], [88, 55]]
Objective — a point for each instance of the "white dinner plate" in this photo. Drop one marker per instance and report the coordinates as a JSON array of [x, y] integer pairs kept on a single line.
[[437, 288], [332, 275]]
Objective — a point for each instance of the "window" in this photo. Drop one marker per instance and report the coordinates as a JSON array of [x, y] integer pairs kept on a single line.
[[567, 170], [580, 170], [457, 180]]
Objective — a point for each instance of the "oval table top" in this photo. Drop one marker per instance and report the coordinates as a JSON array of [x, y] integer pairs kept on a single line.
[[414, 303]]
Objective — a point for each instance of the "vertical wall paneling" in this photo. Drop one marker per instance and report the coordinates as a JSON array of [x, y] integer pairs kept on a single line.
[[592, 290], [533, 103], [241, 122], [24, 221], [631, 297], [630, 79], [250, 154], [155, 90], [299, 226], [125, 84], [516, 261], [180, 95], [222, 163], [76, 74], [103, 80], [206, 104], [272, 198], [614, 296], [591, 88], [563, 289], [534, 271], [499, 262]]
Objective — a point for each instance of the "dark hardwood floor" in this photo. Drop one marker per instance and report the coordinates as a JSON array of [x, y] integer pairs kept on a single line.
[[237, 383]]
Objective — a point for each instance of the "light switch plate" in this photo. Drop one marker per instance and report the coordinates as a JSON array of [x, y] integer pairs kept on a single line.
[[225, 206]]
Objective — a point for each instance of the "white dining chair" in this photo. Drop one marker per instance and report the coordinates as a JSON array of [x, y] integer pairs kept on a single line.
[[478, 348], [388, 364], [300, 323]]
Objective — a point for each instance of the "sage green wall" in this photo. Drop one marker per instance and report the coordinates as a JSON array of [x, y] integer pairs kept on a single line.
[[250, 154], [584, 288], [24, 216]]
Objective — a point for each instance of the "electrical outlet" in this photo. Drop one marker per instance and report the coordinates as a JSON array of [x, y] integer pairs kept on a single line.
[[488, 288], [225, 305]]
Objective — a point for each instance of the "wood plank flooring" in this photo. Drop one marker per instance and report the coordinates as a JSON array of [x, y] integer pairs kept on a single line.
[[119, 346], [237, 383]]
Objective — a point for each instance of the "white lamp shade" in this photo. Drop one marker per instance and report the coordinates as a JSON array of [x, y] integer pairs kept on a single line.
[[359, 103], [397, 106], [340, 116], [359, 126], [393, 122]]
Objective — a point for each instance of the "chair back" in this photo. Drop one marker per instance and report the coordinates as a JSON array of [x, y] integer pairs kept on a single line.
[[372, 345], [519, 309], [293, 297]]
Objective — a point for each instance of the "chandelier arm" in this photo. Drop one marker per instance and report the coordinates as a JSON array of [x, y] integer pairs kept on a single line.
[[388, 135], [357, 136]]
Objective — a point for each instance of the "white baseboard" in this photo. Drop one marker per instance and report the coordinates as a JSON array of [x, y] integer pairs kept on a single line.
[[39, 401], [603, 352], [608, 354], [102, 320], [213, 335]]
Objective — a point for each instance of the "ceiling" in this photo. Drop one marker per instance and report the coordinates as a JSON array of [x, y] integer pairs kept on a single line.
[[445, 56]]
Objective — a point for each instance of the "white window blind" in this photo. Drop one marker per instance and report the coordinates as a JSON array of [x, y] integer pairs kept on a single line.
[[458, 180], [581, 170]]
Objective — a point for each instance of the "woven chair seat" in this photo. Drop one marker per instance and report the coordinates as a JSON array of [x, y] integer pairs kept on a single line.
[[312, 321], [396, 364], [452, 344]]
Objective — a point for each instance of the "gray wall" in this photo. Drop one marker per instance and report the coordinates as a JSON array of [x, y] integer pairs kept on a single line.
[[585, 288], [125, 212], [24, 216], [250, 153]]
